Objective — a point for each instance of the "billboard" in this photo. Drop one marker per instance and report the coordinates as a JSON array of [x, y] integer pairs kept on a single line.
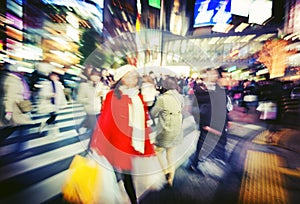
[[240, 8], [260, 11], [212, 12], [154, 3]]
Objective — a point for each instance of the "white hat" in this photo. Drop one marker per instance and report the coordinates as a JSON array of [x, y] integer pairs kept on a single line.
[[14, 67], [121, 71], [44, 68]]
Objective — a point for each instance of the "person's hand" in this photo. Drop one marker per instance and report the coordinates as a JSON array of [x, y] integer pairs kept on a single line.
[[51, 95], [212, 130], [7, 117], [100, 93]]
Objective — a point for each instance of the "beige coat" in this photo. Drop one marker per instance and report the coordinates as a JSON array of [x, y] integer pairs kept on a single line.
[[45, 94], [13, 92], [90, 96], [169, 108]]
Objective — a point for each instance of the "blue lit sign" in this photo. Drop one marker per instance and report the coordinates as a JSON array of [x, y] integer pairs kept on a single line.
[[211, 12], [20, 2]]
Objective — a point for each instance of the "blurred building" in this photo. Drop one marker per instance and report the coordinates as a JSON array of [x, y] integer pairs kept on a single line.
[[196, 33]]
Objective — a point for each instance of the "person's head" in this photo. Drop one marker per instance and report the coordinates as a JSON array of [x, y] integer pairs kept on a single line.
[[148, 79], [87, 71], [151, 74], [127, 76], [53, 76], [94, 75], [104, 73], [131, 79], [170, 83], [212, 75]]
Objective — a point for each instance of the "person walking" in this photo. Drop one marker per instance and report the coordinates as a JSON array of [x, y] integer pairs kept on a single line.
[[122, 133], [90, 94], [149, 93], [212, 102], [169, 110], [15, 90], [51, 100]]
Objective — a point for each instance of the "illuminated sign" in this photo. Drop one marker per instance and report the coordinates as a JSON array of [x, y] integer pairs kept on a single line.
[[211, 12], [260, 11], [16, 22], [154, 3], [84, 7], [231, 69], [61, 2], [240, 8], [15, 8]]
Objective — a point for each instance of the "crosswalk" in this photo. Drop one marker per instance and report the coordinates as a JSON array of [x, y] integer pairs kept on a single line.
[[36, 174]]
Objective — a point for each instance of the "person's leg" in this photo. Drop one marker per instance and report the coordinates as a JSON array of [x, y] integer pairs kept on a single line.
[[271, 127], [22, 132], [219, 151], [91, 127], [82, 124], [170, 153], [91, 121], [49, 121], [195, 158], [6, 132], [160, 155], [52, 118], [54, 130], [129, 187]]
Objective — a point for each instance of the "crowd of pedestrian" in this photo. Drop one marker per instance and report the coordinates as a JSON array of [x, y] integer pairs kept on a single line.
[[118, 109]]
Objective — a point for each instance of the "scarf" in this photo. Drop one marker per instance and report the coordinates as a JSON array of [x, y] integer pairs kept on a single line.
[[136, 118]]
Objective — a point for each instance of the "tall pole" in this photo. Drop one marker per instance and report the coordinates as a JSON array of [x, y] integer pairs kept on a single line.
[[161, 26]]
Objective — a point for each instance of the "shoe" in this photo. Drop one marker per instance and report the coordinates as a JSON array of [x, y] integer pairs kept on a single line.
[[168, 185], [42, 126], [220, 162], [167, 176], [77, 129], [196, 170], [82, 130]]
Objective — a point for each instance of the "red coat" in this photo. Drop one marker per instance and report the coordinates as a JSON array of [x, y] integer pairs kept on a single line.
[[112, 136]]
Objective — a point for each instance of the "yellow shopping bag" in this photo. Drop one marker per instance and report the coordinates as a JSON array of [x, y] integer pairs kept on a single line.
[[82, 184]]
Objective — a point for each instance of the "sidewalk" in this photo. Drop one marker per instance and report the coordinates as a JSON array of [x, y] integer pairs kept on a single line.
[[257, 172], [190, 187]]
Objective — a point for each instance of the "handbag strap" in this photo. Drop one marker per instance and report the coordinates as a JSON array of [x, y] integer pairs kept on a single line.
[[54, 91]]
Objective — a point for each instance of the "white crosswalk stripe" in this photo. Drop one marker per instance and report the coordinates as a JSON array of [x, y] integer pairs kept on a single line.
[[37, 174]]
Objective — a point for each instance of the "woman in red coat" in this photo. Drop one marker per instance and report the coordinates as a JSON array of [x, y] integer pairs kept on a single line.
[[122, 131]]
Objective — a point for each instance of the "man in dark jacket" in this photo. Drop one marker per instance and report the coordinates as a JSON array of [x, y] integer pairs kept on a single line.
[[211, 100]]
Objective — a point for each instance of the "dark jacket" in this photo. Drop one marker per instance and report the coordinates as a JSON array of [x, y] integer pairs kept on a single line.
[[211, 105]]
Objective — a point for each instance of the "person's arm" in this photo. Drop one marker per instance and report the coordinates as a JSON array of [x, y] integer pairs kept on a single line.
[[157, 107], [212, 130], [11, 94], [46, 92], [82, 96]]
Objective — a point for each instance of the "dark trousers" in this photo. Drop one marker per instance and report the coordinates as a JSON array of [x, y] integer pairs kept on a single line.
[[7, 131], [89, 122], [219, 152], [201, 139], [52, 118], [128, 184]]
